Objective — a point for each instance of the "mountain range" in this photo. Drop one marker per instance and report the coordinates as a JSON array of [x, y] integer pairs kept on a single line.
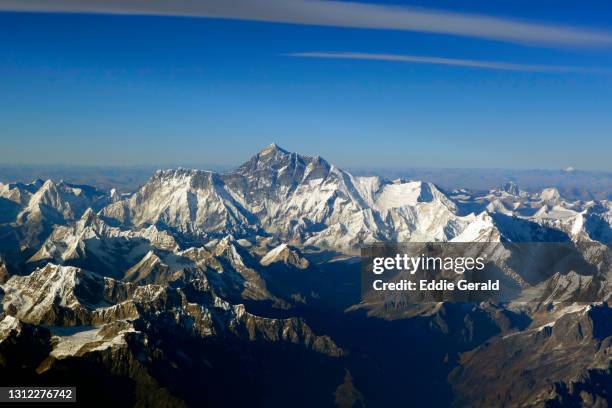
[[199, 284]]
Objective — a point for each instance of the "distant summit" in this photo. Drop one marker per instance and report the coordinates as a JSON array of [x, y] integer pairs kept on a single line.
[[511, 188]]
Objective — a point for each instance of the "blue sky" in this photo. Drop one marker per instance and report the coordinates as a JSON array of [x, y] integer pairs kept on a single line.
[[131, 89]]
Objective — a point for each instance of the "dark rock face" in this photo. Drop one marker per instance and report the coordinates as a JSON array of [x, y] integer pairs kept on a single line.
[[22, 346], [140, 339], [556, 363]]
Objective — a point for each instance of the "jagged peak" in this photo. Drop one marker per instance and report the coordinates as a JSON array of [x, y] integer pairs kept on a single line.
[[273, 157], [48, 186], [195, 253], [229, 248], [228, 239], [150, 256], [511, 187], [61, 277], [51, 190], [48, 194], [286, 254], [481, 229], [179, 177], [142, 270], [54, 268], [89, 216], [550, 194], [179, 172], [114, 196], [272, 152], [7, 325], [225, 243], [272, 147]]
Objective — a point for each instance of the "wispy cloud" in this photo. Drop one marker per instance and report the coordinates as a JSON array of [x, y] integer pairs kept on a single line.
[[416, 59], [337, 14]]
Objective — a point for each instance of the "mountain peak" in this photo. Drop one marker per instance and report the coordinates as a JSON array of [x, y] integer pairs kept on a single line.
[[511, 188], [287, 255], [272, 148], [89, 216], [275, 156], [550, 194]]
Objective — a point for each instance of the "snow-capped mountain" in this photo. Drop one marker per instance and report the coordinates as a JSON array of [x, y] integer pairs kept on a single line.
[[201, 276], [36, 207], [547, 214], [298, 198], [307, 201], [91, 242]]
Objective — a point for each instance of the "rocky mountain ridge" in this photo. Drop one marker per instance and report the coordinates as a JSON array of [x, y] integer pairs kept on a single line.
[[255, 264]]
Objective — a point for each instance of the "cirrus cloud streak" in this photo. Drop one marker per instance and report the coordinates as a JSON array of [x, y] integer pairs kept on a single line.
[[336, 14], [417, 59]]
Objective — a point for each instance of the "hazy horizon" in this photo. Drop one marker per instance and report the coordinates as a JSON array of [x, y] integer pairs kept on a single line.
[[575, 184]]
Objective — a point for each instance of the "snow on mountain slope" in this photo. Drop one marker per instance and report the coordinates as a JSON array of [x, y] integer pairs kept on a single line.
[[191, 202], [299, 198], [595, 222], [148, 270], [95, 338], [68, 200], [92, 237], [286, 255], [233, 269], [558, 219], [53, 294], [35, 208], [400, 194], [482, 229], [20, 193]]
